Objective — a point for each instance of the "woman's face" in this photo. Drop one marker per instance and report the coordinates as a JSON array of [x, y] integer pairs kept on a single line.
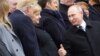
[[36, 17]]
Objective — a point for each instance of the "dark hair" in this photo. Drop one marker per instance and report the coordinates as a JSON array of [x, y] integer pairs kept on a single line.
[[97, 1], [82, 0], [42, 3]]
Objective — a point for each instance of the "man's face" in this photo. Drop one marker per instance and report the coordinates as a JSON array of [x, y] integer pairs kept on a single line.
[[87, 12], [75, 16], [53, 5], [68, 2], [12, 4]]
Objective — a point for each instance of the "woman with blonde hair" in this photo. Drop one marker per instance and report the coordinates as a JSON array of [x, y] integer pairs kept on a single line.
[[10, 45], [24, 28]]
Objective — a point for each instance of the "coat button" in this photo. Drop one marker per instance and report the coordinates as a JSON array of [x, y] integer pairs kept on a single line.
[[12, 40], [16, 50]]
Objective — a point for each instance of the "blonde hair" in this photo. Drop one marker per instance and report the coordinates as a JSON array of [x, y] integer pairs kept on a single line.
[[29, 3], [4, 10], [36, 8], [26, 3]]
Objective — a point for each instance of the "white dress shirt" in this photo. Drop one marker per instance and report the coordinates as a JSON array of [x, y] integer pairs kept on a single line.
[[83, 25]]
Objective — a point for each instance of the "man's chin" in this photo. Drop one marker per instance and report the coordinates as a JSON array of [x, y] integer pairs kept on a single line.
[[74, 24]]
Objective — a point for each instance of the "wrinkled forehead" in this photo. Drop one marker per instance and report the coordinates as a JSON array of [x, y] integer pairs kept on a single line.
[[74, 9], [71, 10]]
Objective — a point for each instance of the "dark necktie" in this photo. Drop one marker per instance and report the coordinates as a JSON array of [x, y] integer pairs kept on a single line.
[[80, 27]]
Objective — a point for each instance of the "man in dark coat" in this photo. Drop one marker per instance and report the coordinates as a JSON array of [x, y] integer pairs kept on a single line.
[[25, 30], [93, 14], [83, 39], [52, 21], [52, 26]]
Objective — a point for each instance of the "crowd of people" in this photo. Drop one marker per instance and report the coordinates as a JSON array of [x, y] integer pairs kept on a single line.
[[49, 27]]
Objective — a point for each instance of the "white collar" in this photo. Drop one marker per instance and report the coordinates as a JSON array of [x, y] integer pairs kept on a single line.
[[83, 24], [23, 12]]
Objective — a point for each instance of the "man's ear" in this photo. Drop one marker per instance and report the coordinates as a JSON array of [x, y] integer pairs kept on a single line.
[[47, 4], [81, 12]]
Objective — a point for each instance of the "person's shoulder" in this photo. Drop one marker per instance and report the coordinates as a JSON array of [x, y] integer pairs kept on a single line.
[[17, 15], [1, 26], [95, 24], [2, 30]]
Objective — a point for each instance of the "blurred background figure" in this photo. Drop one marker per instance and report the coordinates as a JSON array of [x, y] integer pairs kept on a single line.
[[94, 10], [95, 4], [13, 5], [67, 2], [82, 1], [84, 6], [93, 7]]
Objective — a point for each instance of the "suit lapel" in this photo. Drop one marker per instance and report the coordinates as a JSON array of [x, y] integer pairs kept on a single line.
[[90, 36]]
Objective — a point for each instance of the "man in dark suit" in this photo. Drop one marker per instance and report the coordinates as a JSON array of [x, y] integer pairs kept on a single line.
[[24, 28], [52, 21], [83, 39]]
